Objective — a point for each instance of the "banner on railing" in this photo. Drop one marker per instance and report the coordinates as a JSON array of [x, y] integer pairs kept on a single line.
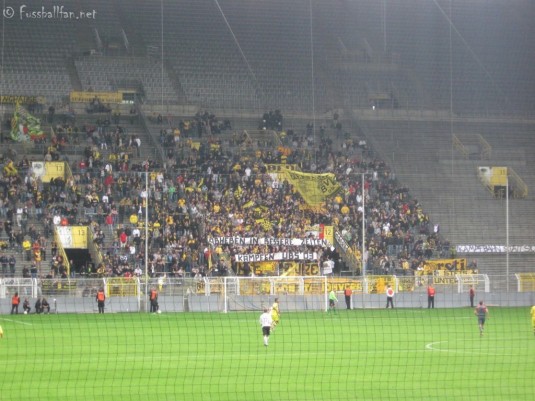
[[14, 99], [122, 286], [261, 257], [265, 268], [284, 285], [104, 97], [456, 265], [495, 249], [268, 241]]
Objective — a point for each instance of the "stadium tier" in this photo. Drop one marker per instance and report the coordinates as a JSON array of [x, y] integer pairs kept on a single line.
[[267, 200]]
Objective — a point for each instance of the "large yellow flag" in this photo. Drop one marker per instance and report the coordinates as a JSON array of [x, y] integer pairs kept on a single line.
[[314, 188]]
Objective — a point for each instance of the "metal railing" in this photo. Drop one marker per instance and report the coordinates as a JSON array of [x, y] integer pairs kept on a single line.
[[226, 294]]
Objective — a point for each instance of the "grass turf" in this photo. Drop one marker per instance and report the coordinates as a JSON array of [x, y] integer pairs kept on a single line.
[[401, 354]]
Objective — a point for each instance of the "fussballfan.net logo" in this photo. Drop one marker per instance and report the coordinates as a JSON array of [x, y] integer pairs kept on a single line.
[[56, 12]]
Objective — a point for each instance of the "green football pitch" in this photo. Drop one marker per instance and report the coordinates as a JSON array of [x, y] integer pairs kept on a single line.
[[401, 354]]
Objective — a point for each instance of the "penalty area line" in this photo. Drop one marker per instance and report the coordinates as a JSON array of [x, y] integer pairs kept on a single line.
[[15, 321]]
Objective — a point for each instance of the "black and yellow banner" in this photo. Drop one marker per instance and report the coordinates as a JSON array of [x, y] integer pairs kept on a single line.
[[289, 286], [265, 268], [456, 265], [276, 168], [121, 287], [16, 99], [378, 284], [104, 97], [314, 188]]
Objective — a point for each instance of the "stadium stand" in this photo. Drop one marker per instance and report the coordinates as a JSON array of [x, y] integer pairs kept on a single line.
[[200, 51], [110, 74], [221, 156], [451, 191], [223, 57], [34, 63]]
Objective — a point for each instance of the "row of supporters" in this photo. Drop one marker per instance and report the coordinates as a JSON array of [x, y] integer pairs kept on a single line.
[[214, 192]]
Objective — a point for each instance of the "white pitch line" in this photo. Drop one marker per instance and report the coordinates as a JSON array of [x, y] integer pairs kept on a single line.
[[15, 321], [431, 347], [191, 357]]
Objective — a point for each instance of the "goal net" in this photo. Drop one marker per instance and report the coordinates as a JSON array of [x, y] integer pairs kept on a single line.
[[254, 293], [480, 282]]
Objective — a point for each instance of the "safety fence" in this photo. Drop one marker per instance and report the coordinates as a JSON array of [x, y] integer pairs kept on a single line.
[[246, 293]]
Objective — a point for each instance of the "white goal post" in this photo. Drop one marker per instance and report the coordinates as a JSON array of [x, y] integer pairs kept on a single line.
[[23, 286], [480, 282], [255, 293]]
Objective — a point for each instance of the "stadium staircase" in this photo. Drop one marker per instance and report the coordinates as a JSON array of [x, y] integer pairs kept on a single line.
[[73, 74]]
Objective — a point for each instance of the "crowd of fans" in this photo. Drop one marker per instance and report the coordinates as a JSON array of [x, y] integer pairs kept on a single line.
[[221, 187]]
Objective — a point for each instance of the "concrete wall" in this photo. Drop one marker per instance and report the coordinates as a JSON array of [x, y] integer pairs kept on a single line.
[[215, 303]]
